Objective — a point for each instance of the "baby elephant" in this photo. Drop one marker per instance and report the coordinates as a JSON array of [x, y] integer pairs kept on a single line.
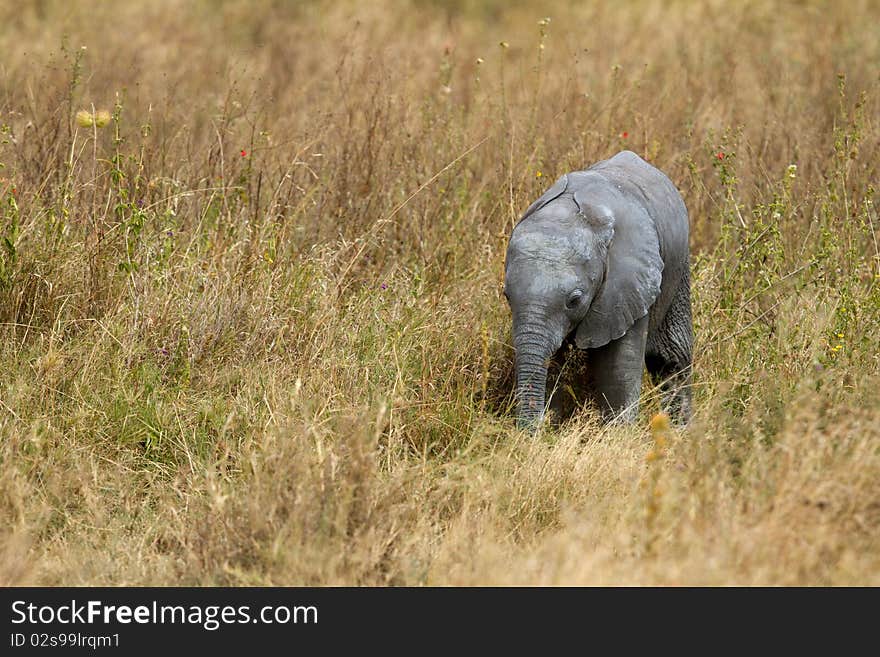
[[601, 259]]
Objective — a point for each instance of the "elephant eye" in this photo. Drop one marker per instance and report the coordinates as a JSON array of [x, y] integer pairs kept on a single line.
[[574, 299]]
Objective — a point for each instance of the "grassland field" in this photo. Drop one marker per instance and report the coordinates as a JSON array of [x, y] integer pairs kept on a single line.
[[251, 321]]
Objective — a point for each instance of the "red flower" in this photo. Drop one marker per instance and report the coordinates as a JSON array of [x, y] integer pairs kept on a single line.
[[243, 153], [720, 155], [624, 134]]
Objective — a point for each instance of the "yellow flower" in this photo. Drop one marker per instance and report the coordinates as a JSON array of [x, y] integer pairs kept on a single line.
[[84, 119], [659, 423], [538, 174]]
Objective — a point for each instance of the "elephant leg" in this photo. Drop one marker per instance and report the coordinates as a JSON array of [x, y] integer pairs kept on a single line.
[[669, 356], [616, 373]]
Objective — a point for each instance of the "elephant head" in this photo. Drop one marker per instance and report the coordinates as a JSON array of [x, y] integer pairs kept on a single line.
[[573, 265]]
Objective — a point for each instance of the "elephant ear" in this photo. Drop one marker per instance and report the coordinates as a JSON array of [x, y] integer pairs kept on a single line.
[[633, 271], [554, 192]]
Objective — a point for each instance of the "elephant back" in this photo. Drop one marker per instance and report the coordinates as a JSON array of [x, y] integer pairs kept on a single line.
[[657, 195]]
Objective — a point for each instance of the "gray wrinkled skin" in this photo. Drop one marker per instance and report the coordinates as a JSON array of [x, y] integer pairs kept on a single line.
[[601, 260]]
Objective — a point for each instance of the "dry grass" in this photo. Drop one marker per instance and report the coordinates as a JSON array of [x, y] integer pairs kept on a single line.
[[252, 329]]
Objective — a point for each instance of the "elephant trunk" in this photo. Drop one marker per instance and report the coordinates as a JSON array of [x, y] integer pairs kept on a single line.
[[531, 386], [534, 347]]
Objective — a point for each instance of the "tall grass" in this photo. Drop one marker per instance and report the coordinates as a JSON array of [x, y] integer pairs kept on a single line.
[[251, 324]]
